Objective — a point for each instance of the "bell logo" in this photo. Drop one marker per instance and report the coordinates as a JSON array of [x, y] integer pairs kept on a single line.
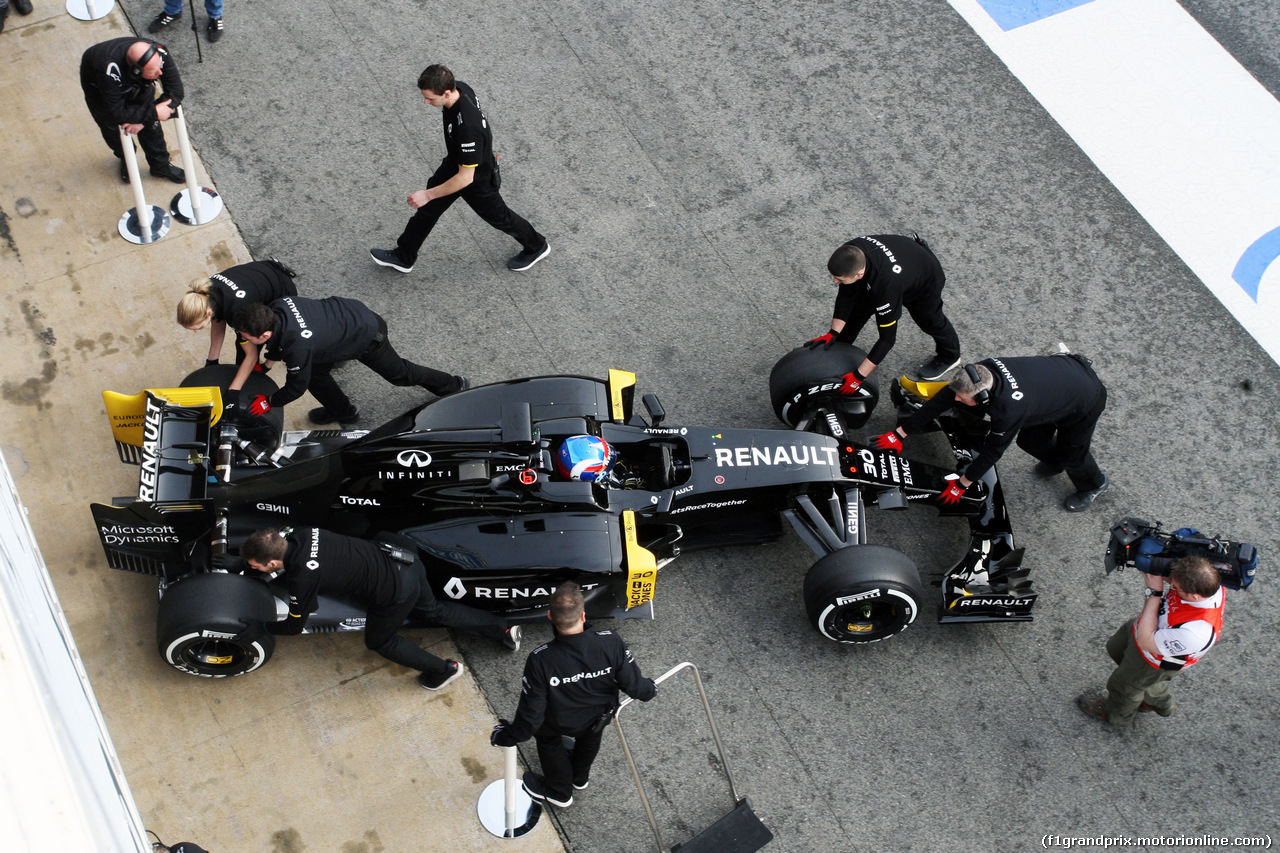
[[454, 588], [414, 458]]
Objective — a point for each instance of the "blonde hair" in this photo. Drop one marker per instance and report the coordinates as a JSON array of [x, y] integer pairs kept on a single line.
[[195, 304]]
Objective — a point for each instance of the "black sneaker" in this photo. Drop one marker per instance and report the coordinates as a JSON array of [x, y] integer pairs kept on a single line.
[[535, 785], [461, 384], [124, 172], [527, 258], [23, 6], [159, 22], [171, 172], [1081, 501], [214, 30], [390, 258], [583, 786], [1044, 469], [936, 368], [512, 641], [435, 682], [322, 415]]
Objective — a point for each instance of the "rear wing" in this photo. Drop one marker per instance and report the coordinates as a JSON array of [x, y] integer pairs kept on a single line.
[[128, 414]]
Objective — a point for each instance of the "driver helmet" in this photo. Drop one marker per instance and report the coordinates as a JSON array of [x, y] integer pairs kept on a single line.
[[585, 457]]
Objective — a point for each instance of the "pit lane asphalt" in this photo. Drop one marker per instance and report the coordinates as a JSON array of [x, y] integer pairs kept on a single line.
[[693, 166]]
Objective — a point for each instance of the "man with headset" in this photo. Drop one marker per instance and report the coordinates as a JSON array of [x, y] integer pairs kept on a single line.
[[1051, 404], [118, 77]]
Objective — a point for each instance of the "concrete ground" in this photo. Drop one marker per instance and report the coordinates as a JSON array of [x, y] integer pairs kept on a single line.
[[693, 166]]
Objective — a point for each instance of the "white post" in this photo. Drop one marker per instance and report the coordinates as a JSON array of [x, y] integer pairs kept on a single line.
[[510, 790], [188, 166], [93, 13], [140, 205]]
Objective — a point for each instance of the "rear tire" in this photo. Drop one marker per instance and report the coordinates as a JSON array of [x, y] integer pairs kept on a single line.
[[201, 617], [805, 380], [266, 430], [862, 594]]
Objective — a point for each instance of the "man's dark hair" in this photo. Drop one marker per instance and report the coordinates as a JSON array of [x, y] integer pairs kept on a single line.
[[436, 78], [846, 261], [566, 606], [263, 546], [1195, 576], [253, 320]]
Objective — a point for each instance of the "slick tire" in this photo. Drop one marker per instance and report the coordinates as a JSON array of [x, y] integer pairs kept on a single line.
[[862, 594], [200, 618], [805, 380], [220, 376]]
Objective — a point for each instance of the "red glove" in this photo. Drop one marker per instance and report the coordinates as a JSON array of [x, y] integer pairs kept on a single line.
[[852, 382], [823, 340], [889, 441], [259, 406], [258, 368], [952, 493]]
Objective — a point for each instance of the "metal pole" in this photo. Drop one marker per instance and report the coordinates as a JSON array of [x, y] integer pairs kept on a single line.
[[188, 164], [509, 776]]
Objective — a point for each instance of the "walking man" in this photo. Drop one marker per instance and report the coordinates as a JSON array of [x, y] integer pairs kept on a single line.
[[469, 172]]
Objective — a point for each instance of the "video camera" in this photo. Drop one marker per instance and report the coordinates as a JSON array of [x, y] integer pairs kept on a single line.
[[1143, 545]]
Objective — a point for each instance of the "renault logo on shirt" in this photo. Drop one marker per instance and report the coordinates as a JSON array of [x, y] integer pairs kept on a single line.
[[414, 458]]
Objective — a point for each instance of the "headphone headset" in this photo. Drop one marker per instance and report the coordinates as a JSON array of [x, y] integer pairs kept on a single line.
[[979, 396], [135, 68]]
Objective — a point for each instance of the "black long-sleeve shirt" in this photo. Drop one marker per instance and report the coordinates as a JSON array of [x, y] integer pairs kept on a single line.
[[316, 331], [1027, 391], [318, 561], [569, 682], [127, 99], [899, 270], [244, 284]]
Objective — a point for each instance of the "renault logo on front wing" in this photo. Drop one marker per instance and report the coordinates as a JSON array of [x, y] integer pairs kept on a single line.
[[414, 458], [454, 588]]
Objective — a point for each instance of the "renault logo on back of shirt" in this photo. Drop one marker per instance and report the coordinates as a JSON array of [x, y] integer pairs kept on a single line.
[[414, 458]]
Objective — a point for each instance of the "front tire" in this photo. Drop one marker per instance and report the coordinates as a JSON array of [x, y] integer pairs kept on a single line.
[[201, 627], [805, 380], [862, 594]]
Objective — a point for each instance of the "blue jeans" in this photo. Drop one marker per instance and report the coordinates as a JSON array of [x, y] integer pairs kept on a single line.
[[213, 7]]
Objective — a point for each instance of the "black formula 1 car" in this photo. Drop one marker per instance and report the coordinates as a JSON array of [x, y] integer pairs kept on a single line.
[[470, 479]]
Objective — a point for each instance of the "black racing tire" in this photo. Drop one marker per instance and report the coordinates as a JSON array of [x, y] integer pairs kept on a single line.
[[806, 379], [201, 629], [220, 376], [862, 594]]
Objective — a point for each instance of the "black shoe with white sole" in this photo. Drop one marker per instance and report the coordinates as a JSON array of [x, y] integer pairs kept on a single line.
[[390, 258], [435, 682], [159, 22], [535, 785], [936, 368], [1081, 501], [528, 258]]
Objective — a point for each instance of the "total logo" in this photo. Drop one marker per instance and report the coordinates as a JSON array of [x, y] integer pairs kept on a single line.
[[355, 501]]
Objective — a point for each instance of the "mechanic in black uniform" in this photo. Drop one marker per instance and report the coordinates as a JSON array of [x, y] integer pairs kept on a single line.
[[880, 275], [1050, 403], [313, 335], [118, 77], [212, 302], [570, 689], [469, 171], [388, 575]]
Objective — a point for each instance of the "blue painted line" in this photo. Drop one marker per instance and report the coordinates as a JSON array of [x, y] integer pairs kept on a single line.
[[1011, 14], [1255, 260]]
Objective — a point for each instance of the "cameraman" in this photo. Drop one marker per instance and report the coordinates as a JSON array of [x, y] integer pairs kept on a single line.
[[1173, 631]]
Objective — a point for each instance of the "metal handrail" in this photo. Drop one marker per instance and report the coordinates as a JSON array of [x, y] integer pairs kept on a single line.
[[715, 735]]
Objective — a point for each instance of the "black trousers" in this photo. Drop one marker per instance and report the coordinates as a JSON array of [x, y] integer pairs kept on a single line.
[[1067, 445], [925, 310], [383, 360], [562, 768], [483, 197], [384, 620]]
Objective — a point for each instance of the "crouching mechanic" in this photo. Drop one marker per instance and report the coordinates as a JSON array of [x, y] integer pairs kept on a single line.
[[1050, 403], [570, 689], [311, 336], [388, 575], [1176, 627], [879, 276]]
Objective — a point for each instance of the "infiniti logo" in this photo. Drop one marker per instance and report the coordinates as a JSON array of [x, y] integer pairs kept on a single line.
[[414, 458]]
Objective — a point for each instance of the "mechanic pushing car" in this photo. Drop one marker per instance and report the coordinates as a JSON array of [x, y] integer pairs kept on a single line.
[[311, 336], [387, 574], [212, 302], [570, 689], [880, 275], [1050, 403]]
